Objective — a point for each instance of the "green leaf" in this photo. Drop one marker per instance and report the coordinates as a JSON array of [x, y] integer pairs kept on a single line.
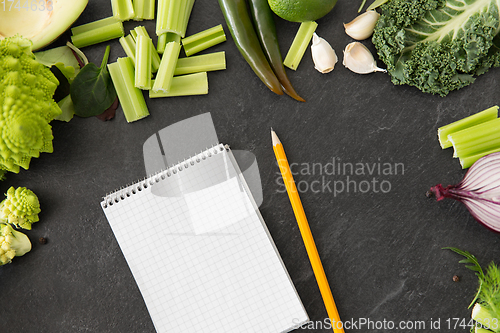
[[92, 91], [376, 4], [63, 58], [67, 108], [472, 264]]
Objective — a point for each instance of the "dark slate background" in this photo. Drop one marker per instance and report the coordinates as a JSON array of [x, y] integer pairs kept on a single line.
[[381, 252]]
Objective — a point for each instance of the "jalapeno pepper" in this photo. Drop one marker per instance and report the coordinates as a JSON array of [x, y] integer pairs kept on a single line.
[[241, 27], [266, 31]]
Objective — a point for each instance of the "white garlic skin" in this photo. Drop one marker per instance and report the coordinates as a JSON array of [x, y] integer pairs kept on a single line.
[[324, 56], [362, 26], [359, 59]]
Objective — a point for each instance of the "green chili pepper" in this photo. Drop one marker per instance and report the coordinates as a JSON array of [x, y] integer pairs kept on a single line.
[[241, 27], [266, 31]]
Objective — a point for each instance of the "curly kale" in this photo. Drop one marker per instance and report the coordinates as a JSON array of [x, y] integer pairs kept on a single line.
[[438, 45]]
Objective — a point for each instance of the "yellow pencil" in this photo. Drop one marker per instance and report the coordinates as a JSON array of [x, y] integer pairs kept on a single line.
[[305, 231]]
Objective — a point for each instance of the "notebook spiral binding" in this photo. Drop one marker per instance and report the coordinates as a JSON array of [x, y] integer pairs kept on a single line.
[[132, 189]]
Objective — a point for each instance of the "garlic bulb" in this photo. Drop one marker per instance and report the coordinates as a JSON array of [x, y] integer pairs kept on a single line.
[[324, 57], [359, 59], [362, 26]]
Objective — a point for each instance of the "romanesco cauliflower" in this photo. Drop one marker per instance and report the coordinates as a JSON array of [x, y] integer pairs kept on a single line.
[[26, 105], [12, 244], [21, 208]]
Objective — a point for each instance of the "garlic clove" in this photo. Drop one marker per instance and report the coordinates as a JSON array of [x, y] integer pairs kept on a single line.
[[359, 59], [362, 26], [324, 56]]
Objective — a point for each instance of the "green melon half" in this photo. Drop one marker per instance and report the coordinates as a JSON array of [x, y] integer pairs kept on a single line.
[[34, 19]]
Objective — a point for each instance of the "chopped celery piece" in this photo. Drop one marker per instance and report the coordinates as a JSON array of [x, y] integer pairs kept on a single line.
[[131, 99], [143, 63], [133, 33], [203, 40], [482, 316], [162, 42], [477, 148], [171, 16], [144, 10], [478, 118], [480, 330], [129, 46], [123, 10], [97, 32], [300, 44], [467, 162], [487, 130], [185, 20], [185, 85], [167, 67], [155, 58], [201, 63]]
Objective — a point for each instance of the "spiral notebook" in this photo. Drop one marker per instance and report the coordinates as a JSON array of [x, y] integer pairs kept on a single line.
[[200, 251]]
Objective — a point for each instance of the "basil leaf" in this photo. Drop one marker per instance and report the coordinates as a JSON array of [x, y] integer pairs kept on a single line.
[[92, 91]]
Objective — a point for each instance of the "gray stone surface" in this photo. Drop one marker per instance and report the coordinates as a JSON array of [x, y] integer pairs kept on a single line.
[[381, 251]]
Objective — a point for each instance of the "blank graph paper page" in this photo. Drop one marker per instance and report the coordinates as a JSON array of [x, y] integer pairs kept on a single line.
[[200, 252]]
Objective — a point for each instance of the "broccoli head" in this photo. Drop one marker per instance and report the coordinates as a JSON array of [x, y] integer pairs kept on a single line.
[[438, 45], [12, 244], [26, 105], [20, 208]]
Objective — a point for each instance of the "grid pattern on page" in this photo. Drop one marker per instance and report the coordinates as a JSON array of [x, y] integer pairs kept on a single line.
[[225, 277]]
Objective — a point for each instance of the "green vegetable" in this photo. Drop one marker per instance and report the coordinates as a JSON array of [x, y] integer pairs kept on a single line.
[[61, 57], [143, 63], [299, 44], [244, 36], [155, 58], [92, 91], [27, 107], [376, 4], [20, 208], [201, 63], [123, 10], [131, 99], [203, 40], [67, 109], [185, 85], [128, 44], [144, 10], [12, 244], [97, 32], [487, 309], [475, 119], [438, 45], [173, 16], [162, 42], [266, 31], [167, 67]]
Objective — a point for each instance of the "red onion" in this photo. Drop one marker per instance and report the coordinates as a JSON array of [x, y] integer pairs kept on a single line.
[[479, 191]]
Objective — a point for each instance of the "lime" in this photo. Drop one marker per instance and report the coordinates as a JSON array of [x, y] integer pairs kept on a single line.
[[301, 10]]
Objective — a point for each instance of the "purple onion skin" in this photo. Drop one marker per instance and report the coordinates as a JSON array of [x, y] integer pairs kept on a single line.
[[479, 191]]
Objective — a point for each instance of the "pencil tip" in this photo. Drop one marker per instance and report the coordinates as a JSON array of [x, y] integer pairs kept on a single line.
[[274, 137]]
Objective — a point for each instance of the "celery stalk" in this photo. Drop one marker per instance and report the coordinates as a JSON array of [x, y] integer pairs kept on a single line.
[[129, 46], [170, 13], [185, 85], [201, 63], [300, 44], [133, 33], [162, 42], [155, 58], [167, 67], [161, 16], [203, 40], [477, 148], [131, 99], [476, 119], [97, 32], [484, 130], [481, 330], [467, 162], [123, 10], [144, 10], [143, 63], [188, 7]]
